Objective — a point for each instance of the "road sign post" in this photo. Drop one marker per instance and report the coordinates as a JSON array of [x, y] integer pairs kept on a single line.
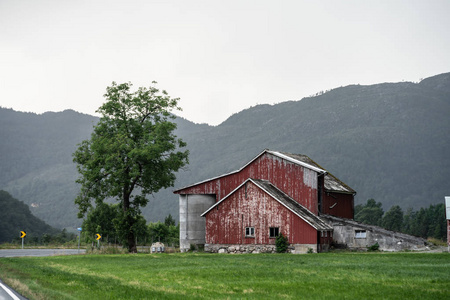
[[22, 236], [98, 240], [79, 238]]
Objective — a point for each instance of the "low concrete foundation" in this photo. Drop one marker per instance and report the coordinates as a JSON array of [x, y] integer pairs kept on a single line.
[[236, 249], [252, 248], [304, 248]]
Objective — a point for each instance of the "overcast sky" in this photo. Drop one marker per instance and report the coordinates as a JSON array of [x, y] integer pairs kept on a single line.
[[219, 57]]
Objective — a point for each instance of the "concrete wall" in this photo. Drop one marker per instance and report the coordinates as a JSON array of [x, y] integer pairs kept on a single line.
[[344, 235], [192, 225]]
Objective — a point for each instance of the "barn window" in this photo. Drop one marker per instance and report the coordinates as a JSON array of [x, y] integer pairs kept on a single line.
[[250, 231], [274, 232], [360, 234]]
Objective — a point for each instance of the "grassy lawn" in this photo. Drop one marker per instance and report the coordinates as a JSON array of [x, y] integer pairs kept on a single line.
[[249, 276]]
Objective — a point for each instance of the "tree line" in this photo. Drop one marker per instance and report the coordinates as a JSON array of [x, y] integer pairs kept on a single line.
[[105, 219], [426, 223]]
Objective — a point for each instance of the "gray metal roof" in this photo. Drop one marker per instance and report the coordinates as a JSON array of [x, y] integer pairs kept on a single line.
[[331, 182]]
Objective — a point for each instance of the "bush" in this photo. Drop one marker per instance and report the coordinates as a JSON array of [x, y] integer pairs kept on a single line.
[[281, 243], [374, 247]]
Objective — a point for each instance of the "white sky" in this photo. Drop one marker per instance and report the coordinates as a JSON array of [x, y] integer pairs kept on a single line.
[[219, 57]]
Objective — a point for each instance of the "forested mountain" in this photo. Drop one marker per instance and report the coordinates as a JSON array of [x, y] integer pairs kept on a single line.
[[15, 216], [389, 142], [36, 161]]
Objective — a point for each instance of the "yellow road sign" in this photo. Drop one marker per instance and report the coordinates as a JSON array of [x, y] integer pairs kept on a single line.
[[98, 236], [22, 234]]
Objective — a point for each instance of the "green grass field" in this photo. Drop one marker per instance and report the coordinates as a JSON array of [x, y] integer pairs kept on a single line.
[[248, 276]]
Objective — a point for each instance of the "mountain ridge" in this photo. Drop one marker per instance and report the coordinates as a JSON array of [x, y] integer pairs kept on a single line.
[[387, 141]]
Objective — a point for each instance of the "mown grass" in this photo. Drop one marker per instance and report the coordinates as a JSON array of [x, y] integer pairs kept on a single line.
[[252, 276]]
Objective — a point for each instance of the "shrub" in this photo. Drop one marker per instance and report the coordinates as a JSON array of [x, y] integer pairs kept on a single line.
[[281, 243], [374, 247]]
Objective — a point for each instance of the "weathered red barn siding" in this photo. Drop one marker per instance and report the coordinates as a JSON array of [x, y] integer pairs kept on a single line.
[[250, 206], [298, 182], [326, 239], [338, 204]]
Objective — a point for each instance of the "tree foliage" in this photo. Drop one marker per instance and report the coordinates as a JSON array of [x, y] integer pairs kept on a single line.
[[426, 222], [281, 243], [169, 220], [393, 219], [371, 213], [101, 220], [132, 153], [167, 232]]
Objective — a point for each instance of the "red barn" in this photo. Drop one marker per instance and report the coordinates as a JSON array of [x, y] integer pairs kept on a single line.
[[274, 193]]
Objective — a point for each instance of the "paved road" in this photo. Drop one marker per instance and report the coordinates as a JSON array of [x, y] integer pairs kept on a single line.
[[7, 293], [38, 252]]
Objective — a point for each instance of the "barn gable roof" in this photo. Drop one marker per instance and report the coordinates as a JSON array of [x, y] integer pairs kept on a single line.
[[289, 157], [298, 209], [331, 182]]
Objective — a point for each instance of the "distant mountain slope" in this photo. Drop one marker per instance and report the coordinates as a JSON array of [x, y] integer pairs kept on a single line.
[[15, 216], [36, 161], [387, 141]]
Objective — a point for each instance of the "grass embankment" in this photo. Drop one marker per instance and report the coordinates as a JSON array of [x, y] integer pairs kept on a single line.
[[206, 276]]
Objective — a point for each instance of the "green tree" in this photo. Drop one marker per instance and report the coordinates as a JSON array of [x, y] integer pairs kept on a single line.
[[281, 243], [393, 219], [439, 222], [101, 220], [421, 224], [139, 228], [132, 153], [427, 222], [371, 213], [169, 220], [174, 235], [408, 221], [166, 232], [158, 232]]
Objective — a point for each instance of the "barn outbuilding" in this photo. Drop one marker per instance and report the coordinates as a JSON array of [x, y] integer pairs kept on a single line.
[[274, 193]]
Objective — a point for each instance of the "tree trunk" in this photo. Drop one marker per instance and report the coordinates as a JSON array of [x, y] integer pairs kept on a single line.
[[131, 241]]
